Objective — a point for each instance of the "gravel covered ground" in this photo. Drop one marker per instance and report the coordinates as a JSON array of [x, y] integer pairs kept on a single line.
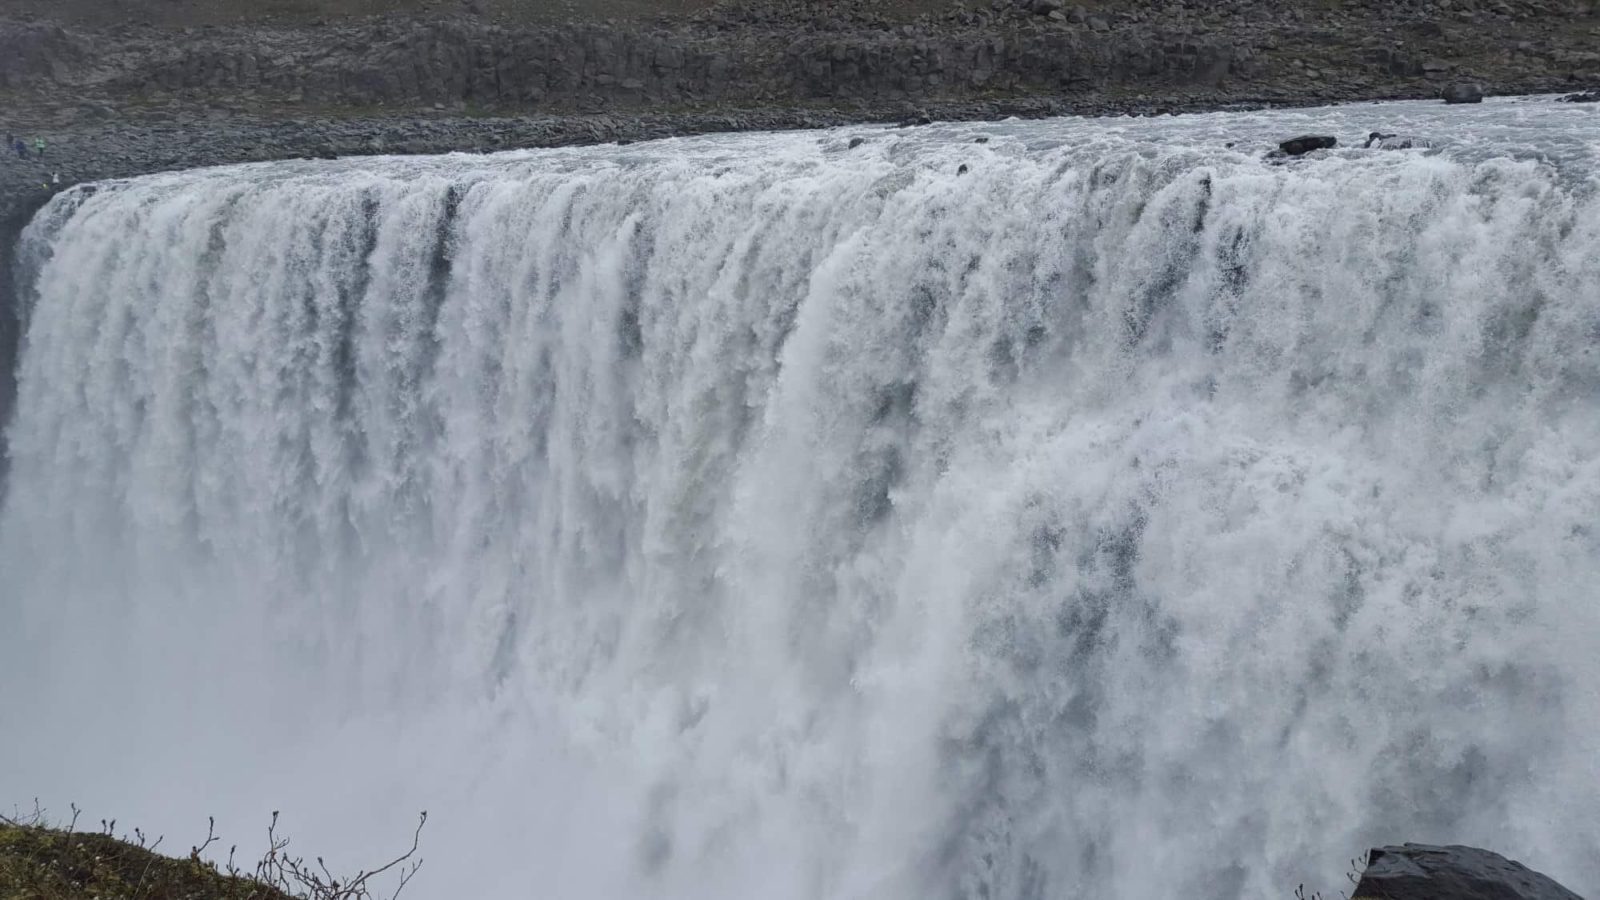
[[181, 13]]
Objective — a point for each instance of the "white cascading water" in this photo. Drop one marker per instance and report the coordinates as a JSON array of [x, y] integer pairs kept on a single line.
[[758, 516]]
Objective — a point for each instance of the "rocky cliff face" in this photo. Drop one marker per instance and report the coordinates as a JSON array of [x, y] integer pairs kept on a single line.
[[807, 53], [563, 67], [39, 54]]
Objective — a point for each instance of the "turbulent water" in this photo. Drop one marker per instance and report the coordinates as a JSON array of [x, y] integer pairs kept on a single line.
[[759, 516]]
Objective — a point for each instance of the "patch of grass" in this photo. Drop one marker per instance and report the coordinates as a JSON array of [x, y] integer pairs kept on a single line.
[[42, 862]]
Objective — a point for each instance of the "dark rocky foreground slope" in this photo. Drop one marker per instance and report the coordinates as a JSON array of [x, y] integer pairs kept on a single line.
[[41, 863], [38, 863], [1425, 872]]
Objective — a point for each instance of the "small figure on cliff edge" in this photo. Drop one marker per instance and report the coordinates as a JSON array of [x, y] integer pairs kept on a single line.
[[21, 148], [38, 147]]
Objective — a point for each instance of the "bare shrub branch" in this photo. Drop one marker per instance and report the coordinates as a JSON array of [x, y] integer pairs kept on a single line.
[[293, 875]]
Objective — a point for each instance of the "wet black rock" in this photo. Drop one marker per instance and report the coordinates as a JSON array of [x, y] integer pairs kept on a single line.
[[1581, 97], [1377, 140], [1424, 872], [1462, 92], [1306, 143], [856, 142]]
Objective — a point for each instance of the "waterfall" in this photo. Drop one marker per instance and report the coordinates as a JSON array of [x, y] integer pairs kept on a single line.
[[760, 515]]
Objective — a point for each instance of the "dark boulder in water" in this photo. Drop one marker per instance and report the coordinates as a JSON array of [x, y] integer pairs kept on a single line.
[[1308, 142], [1424, 872], [1462, 92], [1581, 97], [1377, 140]]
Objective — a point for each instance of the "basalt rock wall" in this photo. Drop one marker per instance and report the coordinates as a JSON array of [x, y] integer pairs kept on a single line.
[[34, 54], [797, 53], [562, 66], [13, 216]]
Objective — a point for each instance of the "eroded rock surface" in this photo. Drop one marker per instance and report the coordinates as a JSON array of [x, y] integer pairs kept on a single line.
[[1425, 872]]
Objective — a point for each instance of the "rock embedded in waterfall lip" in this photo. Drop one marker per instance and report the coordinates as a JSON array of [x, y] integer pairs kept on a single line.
[[1462, 92], [1377, 140], [1308, 142], [1455, 872]]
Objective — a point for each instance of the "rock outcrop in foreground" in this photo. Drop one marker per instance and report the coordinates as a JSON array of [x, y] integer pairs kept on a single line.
[[38, 863], [1424, 872]]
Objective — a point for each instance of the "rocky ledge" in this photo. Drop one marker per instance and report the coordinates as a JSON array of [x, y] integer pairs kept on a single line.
[[1425, 872]]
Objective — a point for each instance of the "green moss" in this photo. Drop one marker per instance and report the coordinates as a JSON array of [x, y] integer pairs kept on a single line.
[[39, 863]]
